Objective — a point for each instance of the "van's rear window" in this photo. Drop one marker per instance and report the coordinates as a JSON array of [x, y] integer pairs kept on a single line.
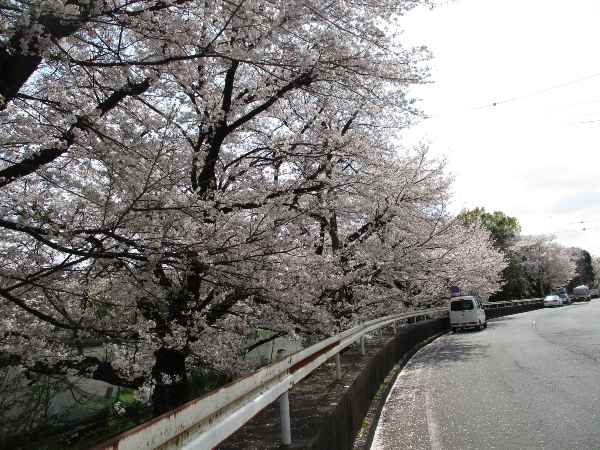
[[461, 305]]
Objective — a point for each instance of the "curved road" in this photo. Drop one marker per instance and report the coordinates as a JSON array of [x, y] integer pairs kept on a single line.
[[530, 381]]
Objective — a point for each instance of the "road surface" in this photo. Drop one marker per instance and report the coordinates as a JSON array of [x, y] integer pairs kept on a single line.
[[530, 381]]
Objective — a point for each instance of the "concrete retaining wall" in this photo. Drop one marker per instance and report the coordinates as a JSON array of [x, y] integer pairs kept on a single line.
[[504, 310]]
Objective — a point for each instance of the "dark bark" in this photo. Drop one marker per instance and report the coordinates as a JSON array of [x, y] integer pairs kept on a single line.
[[17, 66], [169, 363], [264, 341], [38, 314], [206, 180], [90, 365], [336, 245], [221, 309], [323, 225], [105, 372], [15, 70], [47, 155]]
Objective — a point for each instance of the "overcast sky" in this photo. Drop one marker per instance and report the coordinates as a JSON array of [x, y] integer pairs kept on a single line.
[[534, 154]]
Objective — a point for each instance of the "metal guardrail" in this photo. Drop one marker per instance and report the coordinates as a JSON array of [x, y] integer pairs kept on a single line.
[[207, 421], [524, 302]]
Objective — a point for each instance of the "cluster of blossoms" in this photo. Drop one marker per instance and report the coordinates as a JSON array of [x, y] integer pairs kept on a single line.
[[177, 179], [546, 263]]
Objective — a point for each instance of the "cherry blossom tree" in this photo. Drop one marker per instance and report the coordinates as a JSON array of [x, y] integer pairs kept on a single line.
[[175, 175], [596, 267], [548, 264]]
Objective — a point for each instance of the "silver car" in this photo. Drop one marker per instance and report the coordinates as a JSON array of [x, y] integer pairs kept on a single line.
[[552, 300]]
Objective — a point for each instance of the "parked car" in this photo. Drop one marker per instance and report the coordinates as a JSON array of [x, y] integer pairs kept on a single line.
[[562, 293], [581, 293], [467, 312], [552, 300], [566, 300], [594, 293]]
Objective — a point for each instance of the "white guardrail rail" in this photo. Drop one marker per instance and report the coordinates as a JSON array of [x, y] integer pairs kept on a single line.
[[203, 423]]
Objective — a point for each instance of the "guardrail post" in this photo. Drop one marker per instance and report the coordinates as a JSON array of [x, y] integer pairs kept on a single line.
[[338, 367], [284, 417], [362, 346]]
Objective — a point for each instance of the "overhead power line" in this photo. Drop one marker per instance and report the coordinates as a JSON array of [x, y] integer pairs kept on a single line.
[[538, 91], [528, 95]]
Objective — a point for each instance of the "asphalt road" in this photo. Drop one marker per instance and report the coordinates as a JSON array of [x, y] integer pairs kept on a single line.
[[530, 381]]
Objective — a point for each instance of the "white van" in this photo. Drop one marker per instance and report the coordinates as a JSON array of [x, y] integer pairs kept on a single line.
[[467, 312]]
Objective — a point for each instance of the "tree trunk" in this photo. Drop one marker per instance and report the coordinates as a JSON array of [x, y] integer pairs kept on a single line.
[[168, 394]]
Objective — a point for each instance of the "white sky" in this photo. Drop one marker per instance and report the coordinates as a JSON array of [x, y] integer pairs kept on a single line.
[[535, 158]]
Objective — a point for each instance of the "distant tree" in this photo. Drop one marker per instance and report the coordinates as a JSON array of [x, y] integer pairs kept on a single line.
[[584, 268], [596, 268], [504, 229], [517, 283], [547, 264]]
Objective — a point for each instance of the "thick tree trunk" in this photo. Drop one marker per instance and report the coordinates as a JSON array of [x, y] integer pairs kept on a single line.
[[172, 388]]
